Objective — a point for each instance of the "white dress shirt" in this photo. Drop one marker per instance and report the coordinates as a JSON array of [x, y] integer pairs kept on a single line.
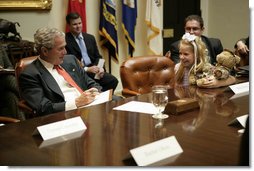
[[70, 93]]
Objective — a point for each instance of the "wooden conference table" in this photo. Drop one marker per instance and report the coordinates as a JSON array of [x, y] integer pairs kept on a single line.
[[204, 134]]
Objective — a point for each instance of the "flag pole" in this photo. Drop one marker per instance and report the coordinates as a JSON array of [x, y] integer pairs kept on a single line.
[[109, 63], [131, 52]]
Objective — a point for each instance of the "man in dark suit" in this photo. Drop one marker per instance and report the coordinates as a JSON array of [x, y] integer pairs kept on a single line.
[[44, 88], [194, 24], [90, 56]]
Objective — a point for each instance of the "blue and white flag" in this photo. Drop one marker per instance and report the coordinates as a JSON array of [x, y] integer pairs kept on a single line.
[[129, 16], [108, 27]]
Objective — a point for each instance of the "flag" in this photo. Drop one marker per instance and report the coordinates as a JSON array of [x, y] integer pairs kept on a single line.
[[154, 23], [129, 16], [78, 6], [108, 27]]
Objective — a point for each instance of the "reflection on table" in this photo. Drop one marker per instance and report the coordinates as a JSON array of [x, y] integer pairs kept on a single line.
[[203, 134]]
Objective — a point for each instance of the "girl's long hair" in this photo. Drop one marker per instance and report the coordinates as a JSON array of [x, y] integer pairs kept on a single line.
[[201, 57]]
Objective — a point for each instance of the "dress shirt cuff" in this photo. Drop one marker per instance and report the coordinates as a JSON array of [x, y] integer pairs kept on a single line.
[[70, 105], [86, 68]]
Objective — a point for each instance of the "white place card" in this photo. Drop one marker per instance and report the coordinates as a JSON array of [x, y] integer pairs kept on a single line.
[[61, 139], [240, 120], [61, 128], [240, 88], [156, 151], [236, 96]]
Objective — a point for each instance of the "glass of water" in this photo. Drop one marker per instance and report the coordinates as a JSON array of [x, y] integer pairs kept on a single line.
[[160, 100]]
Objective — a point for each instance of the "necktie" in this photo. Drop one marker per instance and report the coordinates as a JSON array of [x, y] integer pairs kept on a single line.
[[82, 46], [67, 77]]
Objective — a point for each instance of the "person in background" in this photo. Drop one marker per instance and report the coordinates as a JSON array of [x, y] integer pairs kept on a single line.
[[42, 84], [242, 50], [194, 25], [8, 89], [89, 56], [193, 64]]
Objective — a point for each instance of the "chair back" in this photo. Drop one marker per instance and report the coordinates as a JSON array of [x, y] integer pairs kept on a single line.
[[140, 74], [20, 66]]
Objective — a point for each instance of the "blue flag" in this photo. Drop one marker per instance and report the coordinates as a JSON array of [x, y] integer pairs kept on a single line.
[[108, 27], [129, 17]]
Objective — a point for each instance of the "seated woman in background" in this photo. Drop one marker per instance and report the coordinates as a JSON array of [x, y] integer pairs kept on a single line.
[[194, 68], [9, 90]]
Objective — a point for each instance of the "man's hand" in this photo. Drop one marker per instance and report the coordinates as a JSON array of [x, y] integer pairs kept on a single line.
[[242, 48], [86, 97], [93, 69], [101, 72], [96, 70]]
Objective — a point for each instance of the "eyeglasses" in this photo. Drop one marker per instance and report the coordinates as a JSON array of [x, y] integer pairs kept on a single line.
[[188, 29]]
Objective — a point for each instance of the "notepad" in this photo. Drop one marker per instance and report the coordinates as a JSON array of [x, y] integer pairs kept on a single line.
[[136, 106]]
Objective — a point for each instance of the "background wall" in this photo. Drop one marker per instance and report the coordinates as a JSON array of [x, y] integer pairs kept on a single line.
[[228, 20]]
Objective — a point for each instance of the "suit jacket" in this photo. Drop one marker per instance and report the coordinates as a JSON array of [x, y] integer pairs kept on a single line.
[[72, 47], [41, 91], [213, 45]]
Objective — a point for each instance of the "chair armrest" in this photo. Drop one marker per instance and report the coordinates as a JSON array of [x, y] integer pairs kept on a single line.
[[29, 113], [6, 120], [127, 93], [22, 104]]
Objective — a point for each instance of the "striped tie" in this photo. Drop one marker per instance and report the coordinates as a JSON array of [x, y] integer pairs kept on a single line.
[[67, 77], [82, 46]]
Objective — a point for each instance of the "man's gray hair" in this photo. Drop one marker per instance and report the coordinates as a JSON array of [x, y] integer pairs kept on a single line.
[[45, 37]]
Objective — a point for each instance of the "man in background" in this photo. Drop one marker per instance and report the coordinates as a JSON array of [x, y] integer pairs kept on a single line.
[[84, 47], [194, 24]]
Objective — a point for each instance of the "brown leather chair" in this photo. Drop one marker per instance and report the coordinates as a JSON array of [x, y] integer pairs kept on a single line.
[[139, 74], [20, 66]]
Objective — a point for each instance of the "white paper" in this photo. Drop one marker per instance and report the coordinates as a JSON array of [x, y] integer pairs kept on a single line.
[[156, 151], [61, 128], [101, 98], [136, 106], [240, 88], [100, 65]]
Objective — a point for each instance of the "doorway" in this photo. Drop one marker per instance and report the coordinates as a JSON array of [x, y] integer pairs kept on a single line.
[[174, 13]]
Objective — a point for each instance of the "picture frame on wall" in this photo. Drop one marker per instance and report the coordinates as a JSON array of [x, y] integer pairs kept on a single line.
[[25, 4]]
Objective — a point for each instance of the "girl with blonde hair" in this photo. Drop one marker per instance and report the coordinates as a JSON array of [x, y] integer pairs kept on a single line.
[[194, 64]]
